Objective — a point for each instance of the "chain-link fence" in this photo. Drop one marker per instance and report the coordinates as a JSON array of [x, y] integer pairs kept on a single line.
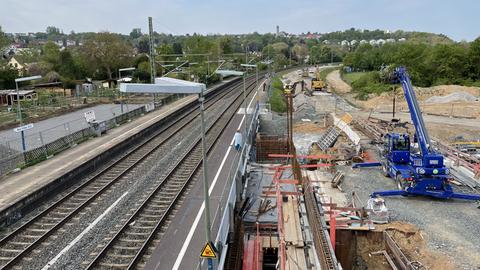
[[41, 145]]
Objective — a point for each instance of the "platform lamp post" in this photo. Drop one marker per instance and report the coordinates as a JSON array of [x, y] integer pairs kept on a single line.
[[256, 71], [19, 108], [237, 73], [119, 78], [166, 85]]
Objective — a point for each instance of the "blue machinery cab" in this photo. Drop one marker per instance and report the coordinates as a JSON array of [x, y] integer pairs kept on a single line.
[[422, 173]]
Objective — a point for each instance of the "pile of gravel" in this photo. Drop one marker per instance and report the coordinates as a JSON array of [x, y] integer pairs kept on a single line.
[[456, 96]]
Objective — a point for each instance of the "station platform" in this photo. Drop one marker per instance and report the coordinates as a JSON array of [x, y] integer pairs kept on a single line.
[[19, 189]]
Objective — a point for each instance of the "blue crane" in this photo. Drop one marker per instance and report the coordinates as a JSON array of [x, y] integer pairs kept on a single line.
[[416, 173]]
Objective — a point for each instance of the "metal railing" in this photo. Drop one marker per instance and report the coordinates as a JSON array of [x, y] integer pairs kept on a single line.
[[46, 143]]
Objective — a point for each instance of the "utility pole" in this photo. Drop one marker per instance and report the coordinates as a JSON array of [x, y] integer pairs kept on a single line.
[[246, 55], [394, 96], [153, 70], [289, 56], [205, 178]]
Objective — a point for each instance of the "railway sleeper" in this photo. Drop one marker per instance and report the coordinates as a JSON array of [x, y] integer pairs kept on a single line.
[[124, 248], [129, 240], [114, 265], [155, 211], [18, 243], [147, 222], [37, 230], [161, 200], [169, 192], [28, 236], [5, 259], [137, 227], [8, 250], [150, 216], [44, 224], [136, 234], [123, 256], [62, 211]]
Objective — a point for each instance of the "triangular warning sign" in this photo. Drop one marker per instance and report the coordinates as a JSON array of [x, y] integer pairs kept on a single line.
[[208, 251]]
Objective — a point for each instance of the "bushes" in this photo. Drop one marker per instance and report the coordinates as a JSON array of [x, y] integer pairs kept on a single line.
[[277, 83], [427, 65], [277, 98], [364, 84], [277, 101]]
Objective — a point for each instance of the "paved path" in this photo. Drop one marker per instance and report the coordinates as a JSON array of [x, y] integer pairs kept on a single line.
[[59, 126], [16, 186], [335, 81]]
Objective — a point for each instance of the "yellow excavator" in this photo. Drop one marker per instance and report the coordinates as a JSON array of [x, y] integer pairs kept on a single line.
[[318, 84]]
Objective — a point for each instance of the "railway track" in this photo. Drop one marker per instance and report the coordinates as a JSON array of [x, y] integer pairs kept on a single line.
[[127, 247], [19, 243]]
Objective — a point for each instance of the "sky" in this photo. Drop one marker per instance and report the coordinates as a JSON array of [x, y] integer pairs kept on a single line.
[[457, 19]]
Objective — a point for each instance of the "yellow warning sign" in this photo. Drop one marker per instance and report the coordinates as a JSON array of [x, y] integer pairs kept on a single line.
[[208, 251]]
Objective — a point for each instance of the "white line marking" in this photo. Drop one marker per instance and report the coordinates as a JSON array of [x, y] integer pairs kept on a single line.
[[80, 236], [187, 241]]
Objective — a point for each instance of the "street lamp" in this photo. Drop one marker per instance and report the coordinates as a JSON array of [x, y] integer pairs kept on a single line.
[[119, 78], [23, 79], [256, 71], [226, 72]]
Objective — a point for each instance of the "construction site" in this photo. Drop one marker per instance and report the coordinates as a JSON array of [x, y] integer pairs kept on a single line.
[[339, 183]]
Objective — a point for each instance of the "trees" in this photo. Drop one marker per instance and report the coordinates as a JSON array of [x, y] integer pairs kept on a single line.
[[108, 52], [300, 51], [136, 33], [143, 71], [474, 59], [67, 66], [7, 77], [449, 63], [226, 44], [143, 45], [323, 54], [51, 54], [177, 48], [53, 33], [427, 64]]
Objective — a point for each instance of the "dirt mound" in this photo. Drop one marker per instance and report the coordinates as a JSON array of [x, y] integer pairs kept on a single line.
[[442, 93], [453, 97], [308, 127], [412, 243]]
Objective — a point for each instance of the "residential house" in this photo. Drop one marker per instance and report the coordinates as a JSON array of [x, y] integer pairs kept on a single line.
[[16, 63]]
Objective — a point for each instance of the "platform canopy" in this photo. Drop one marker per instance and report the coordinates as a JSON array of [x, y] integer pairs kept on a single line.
[[164, 85], [226, 72]]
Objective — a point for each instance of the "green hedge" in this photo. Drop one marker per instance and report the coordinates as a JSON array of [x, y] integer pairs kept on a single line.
[[277, 98]]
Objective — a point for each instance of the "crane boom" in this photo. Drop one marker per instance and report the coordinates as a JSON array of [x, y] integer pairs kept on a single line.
[[415, 112], [421, 173]]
